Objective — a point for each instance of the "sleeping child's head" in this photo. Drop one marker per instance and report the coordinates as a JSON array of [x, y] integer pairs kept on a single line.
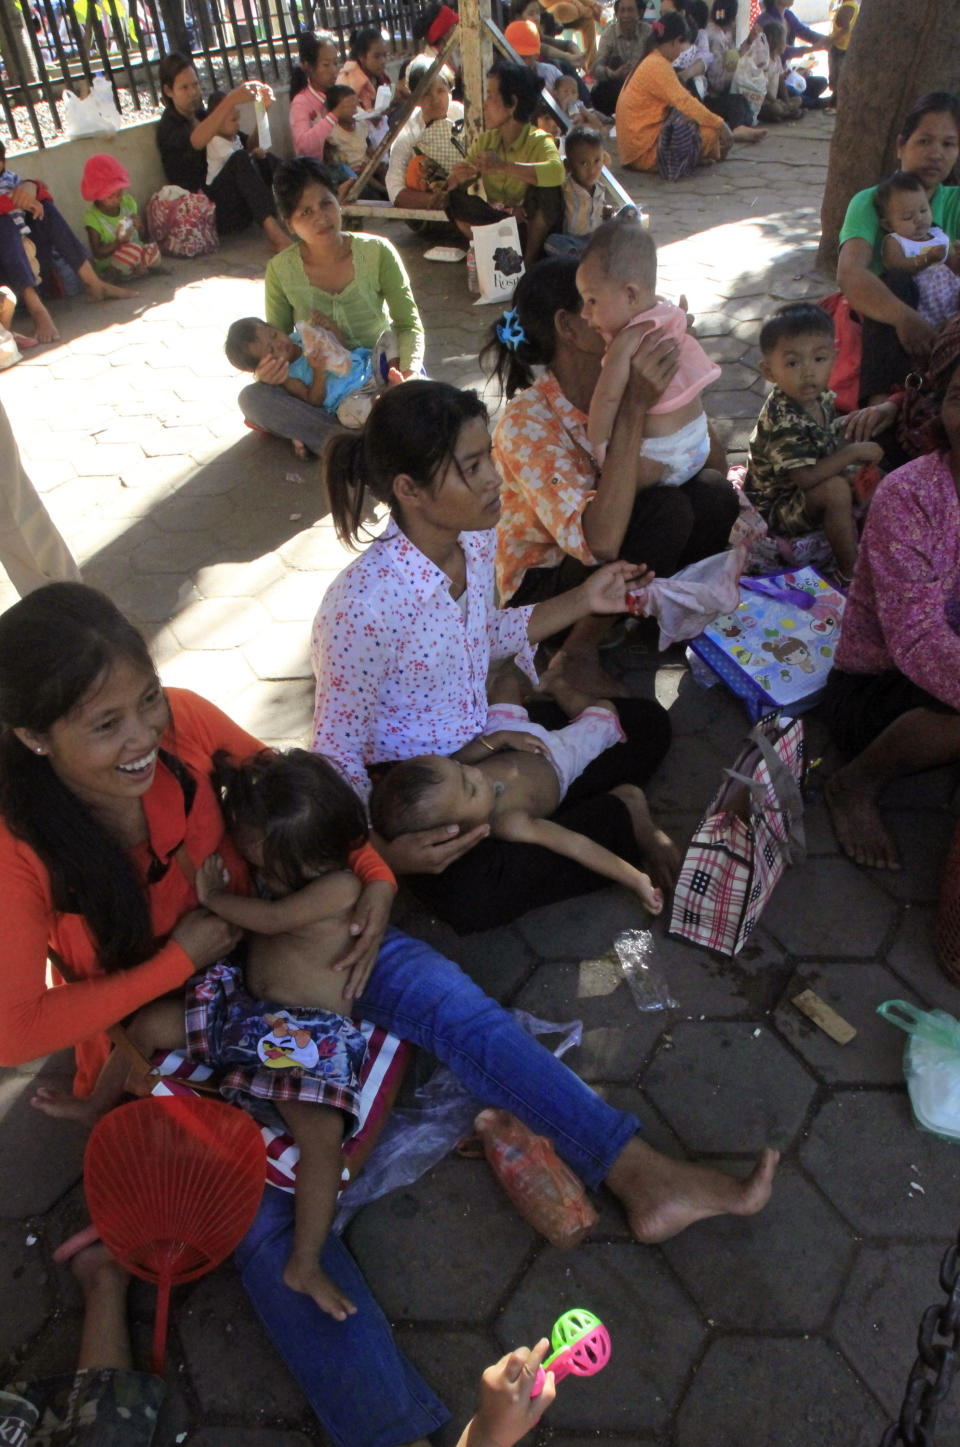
[[903, 206], [427, 792], [251, 341], [292, 815], [566, 92], [617, 275], [584, 156], [343, 104], [798, 349]]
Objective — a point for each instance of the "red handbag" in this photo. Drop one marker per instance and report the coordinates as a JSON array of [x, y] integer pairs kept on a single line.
[[848, 331]]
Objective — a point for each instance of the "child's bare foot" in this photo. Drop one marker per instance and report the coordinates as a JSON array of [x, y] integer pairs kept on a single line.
[[751, 134], [662, 1196], [44, 328], [657, 849], [300, 449], [100, 290], [861, 832], [307, 1277], [64, 1106]]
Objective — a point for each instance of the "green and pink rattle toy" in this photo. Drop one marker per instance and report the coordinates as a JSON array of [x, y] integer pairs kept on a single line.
[[581, 1345]]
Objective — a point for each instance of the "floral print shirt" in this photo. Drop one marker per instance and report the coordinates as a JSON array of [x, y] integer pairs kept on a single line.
[[542, 453], [401, 666], [903, 609]]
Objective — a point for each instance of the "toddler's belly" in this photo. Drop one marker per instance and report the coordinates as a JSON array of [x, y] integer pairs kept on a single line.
[[664, 424]]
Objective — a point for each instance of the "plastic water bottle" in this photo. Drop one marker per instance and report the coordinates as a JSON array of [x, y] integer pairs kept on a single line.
[[545, 1192], [473, 281]]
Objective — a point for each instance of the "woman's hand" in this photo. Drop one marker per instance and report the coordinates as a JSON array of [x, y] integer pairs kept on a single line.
[[429, 851], [320, 319], [205, 938], [868, 421], [251, 90], [371, 916], [489, 161], [652, 368], [273, 371], [605, 591], [518, 740], [461, 172], [915, 334]]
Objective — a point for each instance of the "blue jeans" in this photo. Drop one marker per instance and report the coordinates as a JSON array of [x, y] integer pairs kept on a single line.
[[364, 1392]]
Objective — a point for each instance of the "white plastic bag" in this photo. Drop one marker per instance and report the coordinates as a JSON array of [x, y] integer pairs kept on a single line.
[[499, 259], [689, 601], [95, 115], [931, 1065], [9, 351]]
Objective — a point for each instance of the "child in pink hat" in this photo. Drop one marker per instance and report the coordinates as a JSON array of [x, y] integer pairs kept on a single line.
[[115, 232]]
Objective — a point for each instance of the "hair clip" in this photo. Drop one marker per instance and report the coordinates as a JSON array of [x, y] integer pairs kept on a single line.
[[657, 27], [510, 331]]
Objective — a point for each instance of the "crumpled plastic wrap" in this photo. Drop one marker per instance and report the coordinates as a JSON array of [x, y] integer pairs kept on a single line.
[[687, 603], [634, 949], [414, 1140]]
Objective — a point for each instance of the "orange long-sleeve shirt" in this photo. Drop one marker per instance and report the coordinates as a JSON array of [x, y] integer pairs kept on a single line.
[[642, 108], [34, 1019]]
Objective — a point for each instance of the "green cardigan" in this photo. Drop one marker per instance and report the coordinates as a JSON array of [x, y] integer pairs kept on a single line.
[[379, 296]]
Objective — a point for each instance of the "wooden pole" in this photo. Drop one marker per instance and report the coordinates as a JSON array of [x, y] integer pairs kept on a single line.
[[476, 56]]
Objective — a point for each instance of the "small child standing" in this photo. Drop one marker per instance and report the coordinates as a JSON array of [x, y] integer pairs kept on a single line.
[[617, 280], [321, 370], [797, 471], [279, 1030], [913, 244], [514, 777], [115, 230]]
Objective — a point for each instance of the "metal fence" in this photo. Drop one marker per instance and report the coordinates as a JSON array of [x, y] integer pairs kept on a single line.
[[46, 45]]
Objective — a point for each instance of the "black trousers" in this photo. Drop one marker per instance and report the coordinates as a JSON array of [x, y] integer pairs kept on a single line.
[[241, 193]]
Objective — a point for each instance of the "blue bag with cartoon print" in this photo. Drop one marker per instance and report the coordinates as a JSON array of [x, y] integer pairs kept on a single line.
[[776, 648]]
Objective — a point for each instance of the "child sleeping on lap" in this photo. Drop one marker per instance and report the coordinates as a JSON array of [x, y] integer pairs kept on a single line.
[[514, 777], [617, 279]]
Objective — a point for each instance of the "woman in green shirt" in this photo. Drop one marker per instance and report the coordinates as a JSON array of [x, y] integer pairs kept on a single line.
[[895, 334], [353, 284], [520, 166]]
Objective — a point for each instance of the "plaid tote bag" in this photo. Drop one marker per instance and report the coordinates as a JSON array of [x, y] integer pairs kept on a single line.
[[752, 830]]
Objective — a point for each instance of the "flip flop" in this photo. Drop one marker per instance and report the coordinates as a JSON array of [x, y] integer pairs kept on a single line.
[[72, 1247], [25, 344]]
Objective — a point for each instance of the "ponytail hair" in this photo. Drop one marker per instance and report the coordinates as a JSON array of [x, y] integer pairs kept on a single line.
[[56, 646], [672, 26], [309, 45], [547, 288], [412, 429]]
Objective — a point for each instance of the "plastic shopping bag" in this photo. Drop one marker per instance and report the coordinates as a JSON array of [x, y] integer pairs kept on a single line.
[[94, 115], [690, 600], [931, 1065], [499, 259]]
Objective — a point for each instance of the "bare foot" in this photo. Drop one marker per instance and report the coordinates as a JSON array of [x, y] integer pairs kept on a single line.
[[308, 1278], [26, 344], [662, 1197], [657, 849], [64, 1106], [556, 683], [43, 325], [300, 449], [101, 290], [861, 832], [750, 134], [582, 670]]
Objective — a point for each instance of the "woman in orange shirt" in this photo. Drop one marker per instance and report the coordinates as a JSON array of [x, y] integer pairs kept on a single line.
[[660, 125]]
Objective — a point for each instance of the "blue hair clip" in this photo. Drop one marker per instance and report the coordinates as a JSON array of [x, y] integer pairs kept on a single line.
[[510, 331]]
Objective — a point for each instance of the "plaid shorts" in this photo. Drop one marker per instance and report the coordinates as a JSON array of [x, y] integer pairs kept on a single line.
[[268, 1052]]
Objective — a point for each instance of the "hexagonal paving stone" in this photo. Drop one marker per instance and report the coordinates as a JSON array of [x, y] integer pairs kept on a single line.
[[617, 1037], [216, 623], [874, 1056], [451, 1363], [877, 1321], [295, 597], [912, 958], [779, 1270], [25, 1295], [281, 650], [458, 1202], [865, 1153], [581, 927], [756, 1393], [40, 1158], [829, 907], [703, 983], [221, 1335], [922, 837], [655, 1333], [729, 1087]]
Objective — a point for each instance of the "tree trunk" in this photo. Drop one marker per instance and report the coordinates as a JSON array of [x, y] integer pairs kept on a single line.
[[15, 46], [897, 53]]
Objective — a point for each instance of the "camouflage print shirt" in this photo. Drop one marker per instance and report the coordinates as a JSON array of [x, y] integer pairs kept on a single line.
[[786, 437]]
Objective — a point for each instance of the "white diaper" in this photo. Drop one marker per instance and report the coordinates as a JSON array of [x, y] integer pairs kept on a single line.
[[682, 453], [571, 748]]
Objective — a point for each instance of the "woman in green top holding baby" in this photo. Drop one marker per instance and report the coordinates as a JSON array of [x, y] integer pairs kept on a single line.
[[895, 335], [352, 284]]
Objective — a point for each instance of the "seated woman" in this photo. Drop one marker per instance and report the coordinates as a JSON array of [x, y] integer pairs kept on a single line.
[[893, 697], [239, 191], [352, 284], [561, 514], [106, 805], [725, 57], [895, 335], [27, 213], [310, 126], [404, 638], [779, 12], [430, 192], [650, 134], [520, 166]]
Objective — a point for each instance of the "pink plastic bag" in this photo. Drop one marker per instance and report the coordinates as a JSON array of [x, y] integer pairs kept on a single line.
[[686, 603]]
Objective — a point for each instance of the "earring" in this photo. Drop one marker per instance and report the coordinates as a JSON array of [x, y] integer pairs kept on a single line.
[[39, 749]]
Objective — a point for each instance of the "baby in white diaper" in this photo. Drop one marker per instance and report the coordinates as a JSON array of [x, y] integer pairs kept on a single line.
[[617, 279]]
